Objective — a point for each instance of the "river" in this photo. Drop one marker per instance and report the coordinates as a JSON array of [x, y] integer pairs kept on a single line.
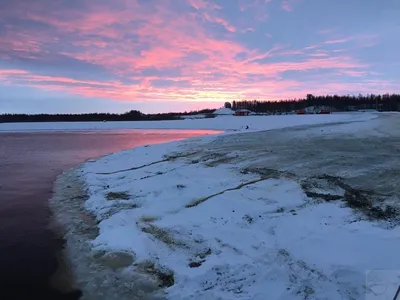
[[29, 163]]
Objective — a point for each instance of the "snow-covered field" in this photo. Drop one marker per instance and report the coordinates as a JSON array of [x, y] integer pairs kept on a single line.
[[295, 213], [218, 123]]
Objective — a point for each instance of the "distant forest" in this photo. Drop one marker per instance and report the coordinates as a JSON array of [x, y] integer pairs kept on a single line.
[[133, 115], [386, 102]]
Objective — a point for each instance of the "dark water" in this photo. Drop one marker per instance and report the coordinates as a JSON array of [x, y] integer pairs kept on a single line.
[[29, 163]]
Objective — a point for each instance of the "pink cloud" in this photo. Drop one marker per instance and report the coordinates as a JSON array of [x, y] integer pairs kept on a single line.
[[6, 74], [158, 56], [25, 76], [319, 54], [203, 4], [220, 21], [209, 11], [21, 42]]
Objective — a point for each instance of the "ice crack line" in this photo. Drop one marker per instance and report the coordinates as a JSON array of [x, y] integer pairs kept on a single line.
[[201, 200], [168, 158]]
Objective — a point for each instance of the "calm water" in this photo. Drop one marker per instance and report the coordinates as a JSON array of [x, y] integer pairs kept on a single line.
[[29, 163]]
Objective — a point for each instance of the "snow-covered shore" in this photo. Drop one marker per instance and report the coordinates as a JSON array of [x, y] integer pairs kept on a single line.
[[218, 123], [250, 215]]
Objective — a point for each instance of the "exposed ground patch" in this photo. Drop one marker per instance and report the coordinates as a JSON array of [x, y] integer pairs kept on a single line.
[[163, 235], [177, 155], [148, 219], [267, 173], [200, 258], [164, 276], [220, 160], [335, 188], [118, 196]]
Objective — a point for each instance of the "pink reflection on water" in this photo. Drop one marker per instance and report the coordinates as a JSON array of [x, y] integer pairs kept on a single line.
[[29, 163], [127, 139]]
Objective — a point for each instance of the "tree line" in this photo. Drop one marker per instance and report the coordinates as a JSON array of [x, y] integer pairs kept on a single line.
[[386, 102], [133, 115]]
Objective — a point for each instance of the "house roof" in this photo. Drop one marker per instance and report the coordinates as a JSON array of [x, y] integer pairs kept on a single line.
[[224, 111]]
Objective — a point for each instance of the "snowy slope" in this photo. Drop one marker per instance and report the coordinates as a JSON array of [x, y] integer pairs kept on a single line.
[[255, 239], [198, 212]]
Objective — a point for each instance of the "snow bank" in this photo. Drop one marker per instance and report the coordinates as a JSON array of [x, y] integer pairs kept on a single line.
[[227, 234], [218, 123]]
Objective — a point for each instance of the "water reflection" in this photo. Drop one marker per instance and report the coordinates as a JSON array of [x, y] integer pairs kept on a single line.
[[29, 163]]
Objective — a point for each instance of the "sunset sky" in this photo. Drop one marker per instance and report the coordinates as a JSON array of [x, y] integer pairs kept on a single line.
[[175, 55]]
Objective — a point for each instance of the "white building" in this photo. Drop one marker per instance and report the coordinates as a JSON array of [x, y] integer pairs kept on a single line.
[[224, 112]]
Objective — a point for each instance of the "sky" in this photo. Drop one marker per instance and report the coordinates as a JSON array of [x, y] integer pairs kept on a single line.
[[71, 56]]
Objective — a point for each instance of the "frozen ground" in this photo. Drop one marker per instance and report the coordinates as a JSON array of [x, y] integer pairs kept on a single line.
[[218, 123], [295, 213]]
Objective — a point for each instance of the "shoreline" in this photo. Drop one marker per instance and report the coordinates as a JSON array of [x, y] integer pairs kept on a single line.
[[73, 224], [106, 176], [78, 228], [65, 212]]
